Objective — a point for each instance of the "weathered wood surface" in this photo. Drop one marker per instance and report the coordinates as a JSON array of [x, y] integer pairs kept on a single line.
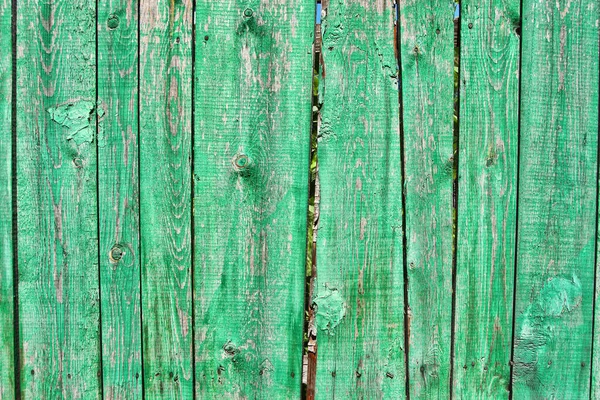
[[7, 354], [118, 198], [359, 289], [162, 188], [251, 154], [56, 193], [556, 236], [165, 197], [427, 61], [486, 214]]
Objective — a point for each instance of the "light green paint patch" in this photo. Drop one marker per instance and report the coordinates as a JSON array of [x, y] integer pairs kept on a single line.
[[77, 118], [559, 296], [331, 309]]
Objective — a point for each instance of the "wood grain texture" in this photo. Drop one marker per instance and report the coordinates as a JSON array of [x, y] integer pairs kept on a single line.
[[57, 209], [557, 200], [359, 288], [165, 196], [7, 368], [427, 58], [118, 197], [486, 216], [251, 154]]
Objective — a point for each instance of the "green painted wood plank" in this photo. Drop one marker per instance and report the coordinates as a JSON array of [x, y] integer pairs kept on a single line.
[[118, 197], [165, 196], [57, 209], [251, 160], [360, 281], [7, 368], [427, 57], [557, 200], [489, 118]]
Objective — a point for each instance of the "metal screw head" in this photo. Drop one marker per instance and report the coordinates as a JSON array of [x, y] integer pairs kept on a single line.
[[116, 253], [241, 162], [113, 22]]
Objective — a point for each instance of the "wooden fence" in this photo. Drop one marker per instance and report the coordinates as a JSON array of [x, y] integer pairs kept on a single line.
[[174, 226]]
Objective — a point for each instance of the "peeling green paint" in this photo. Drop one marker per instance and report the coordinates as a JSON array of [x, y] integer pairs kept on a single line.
[[331, 309], [559, 296], [77, 117]]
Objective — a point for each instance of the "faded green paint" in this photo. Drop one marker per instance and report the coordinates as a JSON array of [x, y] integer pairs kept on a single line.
[[165, 196], [359, 287], [7, 380], [251, 162], [489, 96], [557, 200], [118, 197], [56, 196], [202, 229], [427, 56]]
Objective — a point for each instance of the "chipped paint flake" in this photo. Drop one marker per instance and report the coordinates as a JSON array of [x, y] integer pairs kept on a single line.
[[331, 309], [77, 118]]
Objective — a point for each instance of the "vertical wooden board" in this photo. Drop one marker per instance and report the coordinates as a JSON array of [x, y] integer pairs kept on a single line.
[[251, 161], [118, 197], [486, 215], [165, 196], [360, 281], [7, 372], [57, 208], [557, 200], [427, 58]]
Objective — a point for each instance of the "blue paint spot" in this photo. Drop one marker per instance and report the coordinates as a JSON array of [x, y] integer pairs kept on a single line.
[[456, 10], [319, 7]]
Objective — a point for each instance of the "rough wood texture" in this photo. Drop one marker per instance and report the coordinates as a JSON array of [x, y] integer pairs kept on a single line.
[[427, 55], [557, 200], [165, 196], [486, 213], [118, 197], [57, 220], [7, 380], [359, 289], [251, 154]]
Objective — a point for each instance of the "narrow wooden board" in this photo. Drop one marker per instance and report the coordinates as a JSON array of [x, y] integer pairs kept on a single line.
[[427, 58], [118, 197], [251, 161], [7, 367], [57, 210], [165, 197], [557, 200], [360, 281], [486, 215]]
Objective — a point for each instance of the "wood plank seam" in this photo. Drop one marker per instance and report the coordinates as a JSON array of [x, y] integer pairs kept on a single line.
[[403, 182], [309, 369], [192, 191], [594, 303], [516, 247], [139, 188], [99, 271], [455, 187]]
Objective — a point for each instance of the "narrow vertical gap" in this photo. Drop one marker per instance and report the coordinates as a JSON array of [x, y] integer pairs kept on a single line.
[[518, 32], [99, 270], [397, 36], [596, 243], [455, 144], [15, 241], [192, 192], [139, 197], [309, 364]]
